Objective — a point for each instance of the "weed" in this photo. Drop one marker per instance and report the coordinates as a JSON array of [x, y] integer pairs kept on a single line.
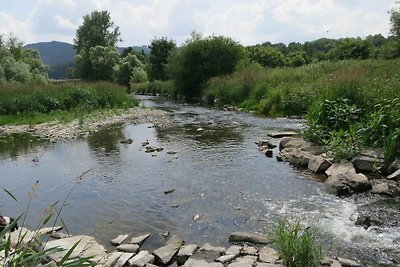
[[297, 247]]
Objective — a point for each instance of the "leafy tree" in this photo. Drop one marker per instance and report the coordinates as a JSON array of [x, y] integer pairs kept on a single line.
[[160, 51], [350, 48], [123, 70], [138, 75], [296, 59], [97, 30], [102, 60], [199, 60], [395, 21], [266, 56]]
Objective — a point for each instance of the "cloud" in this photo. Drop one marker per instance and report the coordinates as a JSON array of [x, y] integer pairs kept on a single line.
[[64, 23], [9, 24]]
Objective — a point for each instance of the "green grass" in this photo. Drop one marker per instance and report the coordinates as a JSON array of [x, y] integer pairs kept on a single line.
[[33, 104], [296, 246]]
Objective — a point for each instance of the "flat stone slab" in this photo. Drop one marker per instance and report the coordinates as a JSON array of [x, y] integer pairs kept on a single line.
[[244, 262], [201, 263], [139, 239], [87, 247], [185, 252], [234, 250], [118, 240], [318, 164], [209, 247], [123, 259], [248, 237], [48, 230], [349, 263], [249, 250], [141, 259], [262, 264], [130, 248], [27, 235], [167, 252], [268, 255], [395, 175], [226, 258], [112, 258], [281, 134]]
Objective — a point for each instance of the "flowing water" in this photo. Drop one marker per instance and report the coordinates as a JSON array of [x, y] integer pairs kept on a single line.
[[217, 173]]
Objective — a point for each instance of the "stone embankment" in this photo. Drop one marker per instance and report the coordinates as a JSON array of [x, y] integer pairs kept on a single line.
[[343, 178], [246, 250], [57, 131]]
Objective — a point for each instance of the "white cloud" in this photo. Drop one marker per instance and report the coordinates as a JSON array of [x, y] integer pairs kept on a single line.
[[64, 23], [9, 24]]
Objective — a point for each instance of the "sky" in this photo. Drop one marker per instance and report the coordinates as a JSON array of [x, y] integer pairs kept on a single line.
[[246, 21]]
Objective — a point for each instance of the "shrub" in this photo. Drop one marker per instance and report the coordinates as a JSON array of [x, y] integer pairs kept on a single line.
[[297, 247]]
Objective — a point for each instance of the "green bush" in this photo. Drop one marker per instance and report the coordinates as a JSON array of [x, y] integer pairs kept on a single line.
[[297, 247]]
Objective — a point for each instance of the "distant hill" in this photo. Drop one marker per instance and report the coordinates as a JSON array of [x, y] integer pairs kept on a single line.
[[60, 56]]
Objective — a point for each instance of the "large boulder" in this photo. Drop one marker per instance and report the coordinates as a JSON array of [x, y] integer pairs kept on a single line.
[[296, 156], [318, 164], [370, 160], [343, 180]]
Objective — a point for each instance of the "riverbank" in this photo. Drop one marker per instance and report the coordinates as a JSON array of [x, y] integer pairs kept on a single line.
[[58, 130]]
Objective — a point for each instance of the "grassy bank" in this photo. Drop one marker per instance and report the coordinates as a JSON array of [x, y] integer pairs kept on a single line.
[[32, 104]]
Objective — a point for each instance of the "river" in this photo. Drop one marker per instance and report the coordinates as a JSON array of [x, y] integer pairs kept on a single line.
[[217, 173]]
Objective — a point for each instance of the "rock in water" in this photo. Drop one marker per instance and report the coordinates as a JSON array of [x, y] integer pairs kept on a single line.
[[248, 237], [118, 240], [139, 239]]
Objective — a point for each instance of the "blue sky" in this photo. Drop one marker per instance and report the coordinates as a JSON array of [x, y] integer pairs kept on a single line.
[[246, 21]]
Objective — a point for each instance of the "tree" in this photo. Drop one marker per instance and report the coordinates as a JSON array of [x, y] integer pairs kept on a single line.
[[199, 60], [138, 75], [395, 21], [266, 56], [350, 48], [160, 51], [103, 59], [296, 59], [97, 30], [123, 70]]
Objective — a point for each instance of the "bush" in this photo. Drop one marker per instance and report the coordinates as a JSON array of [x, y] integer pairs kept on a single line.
[[297, 247]]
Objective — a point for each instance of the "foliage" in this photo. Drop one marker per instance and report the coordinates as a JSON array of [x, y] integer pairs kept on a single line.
[[20, 65], [201, 59], [102, 61], [96, 36], [297, 247], [138, 75], [266, 56], [164, 88], [158, 59], [123, 70], [350, 48], [395, 21], [31, 101], [296, 59]]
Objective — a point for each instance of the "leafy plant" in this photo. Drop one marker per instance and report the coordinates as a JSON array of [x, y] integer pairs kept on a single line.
[[296, 246]]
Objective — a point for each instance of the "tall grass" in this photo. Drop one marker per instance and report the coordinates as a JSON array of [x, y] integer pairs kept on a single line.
[[18, 101], [296, 247]]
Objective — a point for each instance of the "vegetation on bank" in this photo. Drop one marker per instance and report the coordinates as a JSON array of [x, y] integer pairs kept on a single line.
[[31, 104]]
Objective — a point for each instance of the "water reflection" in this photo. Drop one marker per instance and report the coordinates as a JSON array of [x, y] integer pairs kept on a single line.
[[13, 145]]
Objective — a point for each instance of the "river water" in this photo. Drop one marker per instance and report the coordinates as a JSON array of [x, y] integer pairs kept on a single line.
[[216, 175]]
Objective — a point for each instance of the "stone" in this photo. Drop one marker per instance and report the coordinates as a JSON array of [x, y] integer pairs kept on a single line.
[[343, 180], [281, 134], [167, 252], [59, 235], [347, 183], [141, 259], [249, 250], [380, 188], [296, 156], [370, 160], [269, 153], [248, 237], [266, 144], [112, 258], [185, 252], [48, 230], [395, 175], [151, 265], [261, 264], [123, 259], [118, 240], [226, 258], [348, 263], [394, 166], [201, 263], [86, 247], [336, 263], [234, 250], [318, 164], [139, 239], [210, 248], [268, 255], [22, 233], [326, 260], [244, 262], [130, 248]]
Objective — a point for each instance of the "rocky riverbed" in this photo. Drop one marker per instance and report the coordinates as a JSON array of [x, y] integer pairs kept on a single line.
[[246, 249], [57, 131]]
